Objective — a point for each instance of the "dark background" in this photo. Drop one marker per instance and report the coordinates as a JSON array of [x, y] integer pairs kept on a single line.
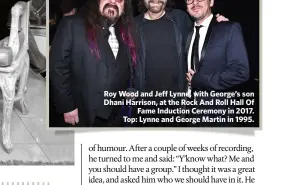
[[5, 9], [246, 12]]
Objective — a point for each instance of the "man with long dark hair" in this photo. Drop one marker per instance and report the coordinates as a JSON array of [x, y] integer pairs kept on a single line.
[[93, 52], [163, 33]]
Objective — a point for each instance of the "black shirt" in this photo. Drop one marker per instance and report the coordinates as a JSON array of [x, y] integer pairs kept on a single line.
[[161, 55], [161, 65]]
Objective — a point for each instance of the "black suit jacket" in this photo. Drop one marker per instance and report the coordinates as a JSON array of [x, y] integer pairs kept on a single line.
[[78, 79], [224, 61], [223, 64]]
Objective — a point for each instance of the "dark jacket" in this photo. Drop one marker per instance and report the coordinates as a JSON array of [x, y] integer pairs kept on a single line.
[[78, 79], [183, 25], [223, 66], [225, 62]]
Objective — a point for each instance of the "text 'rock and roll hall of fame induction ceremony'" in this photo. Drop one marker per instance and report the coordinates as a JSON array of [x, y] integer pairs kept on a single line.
[[154, 63]]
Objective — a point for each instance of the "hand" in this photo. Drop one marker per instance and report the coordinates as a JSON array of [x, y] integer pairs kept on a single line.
[[190, 76], [72, 117], [220, 18]]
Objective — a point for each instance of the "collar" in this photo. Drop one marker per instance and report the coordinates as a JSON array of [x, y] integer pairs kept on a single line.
[[142, 19], [105, 24], [106, 31], [206, 22], [146, 15]]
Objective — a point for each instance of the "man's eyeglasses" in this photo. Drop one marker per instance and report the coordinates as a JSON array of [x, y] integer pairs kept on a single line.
[[191, 1]]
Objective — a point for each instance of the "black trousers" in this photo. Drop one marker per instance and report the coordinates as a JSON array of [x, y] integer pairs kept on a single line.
[[111, 122], [115, 120]]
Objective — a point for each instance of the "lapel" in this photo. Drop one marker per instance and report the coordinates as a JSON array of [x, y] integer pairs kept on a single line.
[[189, 38], [206, 41], [101, 66], [123, 49], [187, 47], [102, 43], [118, 29]]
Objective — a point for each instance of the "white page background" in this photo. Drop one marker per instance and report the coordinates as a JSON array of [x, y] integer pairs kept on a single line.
[[277, 146]]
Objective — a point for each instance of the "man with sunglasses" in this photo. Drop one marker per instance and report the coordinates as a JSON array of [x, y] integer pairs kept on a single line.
[[163, 33], [216, 58], [93, 52]]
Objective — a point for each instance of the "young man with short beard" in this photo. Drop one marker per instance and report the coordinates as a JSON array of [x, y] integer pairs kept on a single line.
[[92, 52], [217, 59], [163, 33]]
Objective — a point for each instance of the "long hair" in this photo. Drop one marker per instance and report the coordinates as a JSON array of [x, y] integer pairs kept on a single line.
[[142, 8], [94, 20]]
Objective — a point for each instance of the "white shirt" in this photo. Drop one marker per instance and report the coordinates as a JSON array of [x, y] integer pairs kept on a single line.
[[113, 42], [202, 35]]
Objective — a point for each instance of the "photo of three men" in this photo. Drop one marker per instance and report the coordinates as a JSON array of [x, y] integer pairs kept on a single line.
[[150, 45]]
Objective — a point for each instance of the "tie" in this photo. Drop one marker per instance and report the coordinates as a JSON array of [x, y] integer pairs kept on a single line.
[[113, 42], [195, 54]]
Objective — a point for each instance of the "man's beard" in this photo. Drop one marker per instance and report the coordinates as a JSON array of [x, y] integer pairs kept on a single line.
[[201, 16], [153, 10], [109, 19]]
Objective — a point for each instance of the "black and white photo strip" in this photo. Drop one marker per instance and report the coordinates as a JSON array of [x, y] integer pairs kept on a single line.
[[154, 63], [25, 136]]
